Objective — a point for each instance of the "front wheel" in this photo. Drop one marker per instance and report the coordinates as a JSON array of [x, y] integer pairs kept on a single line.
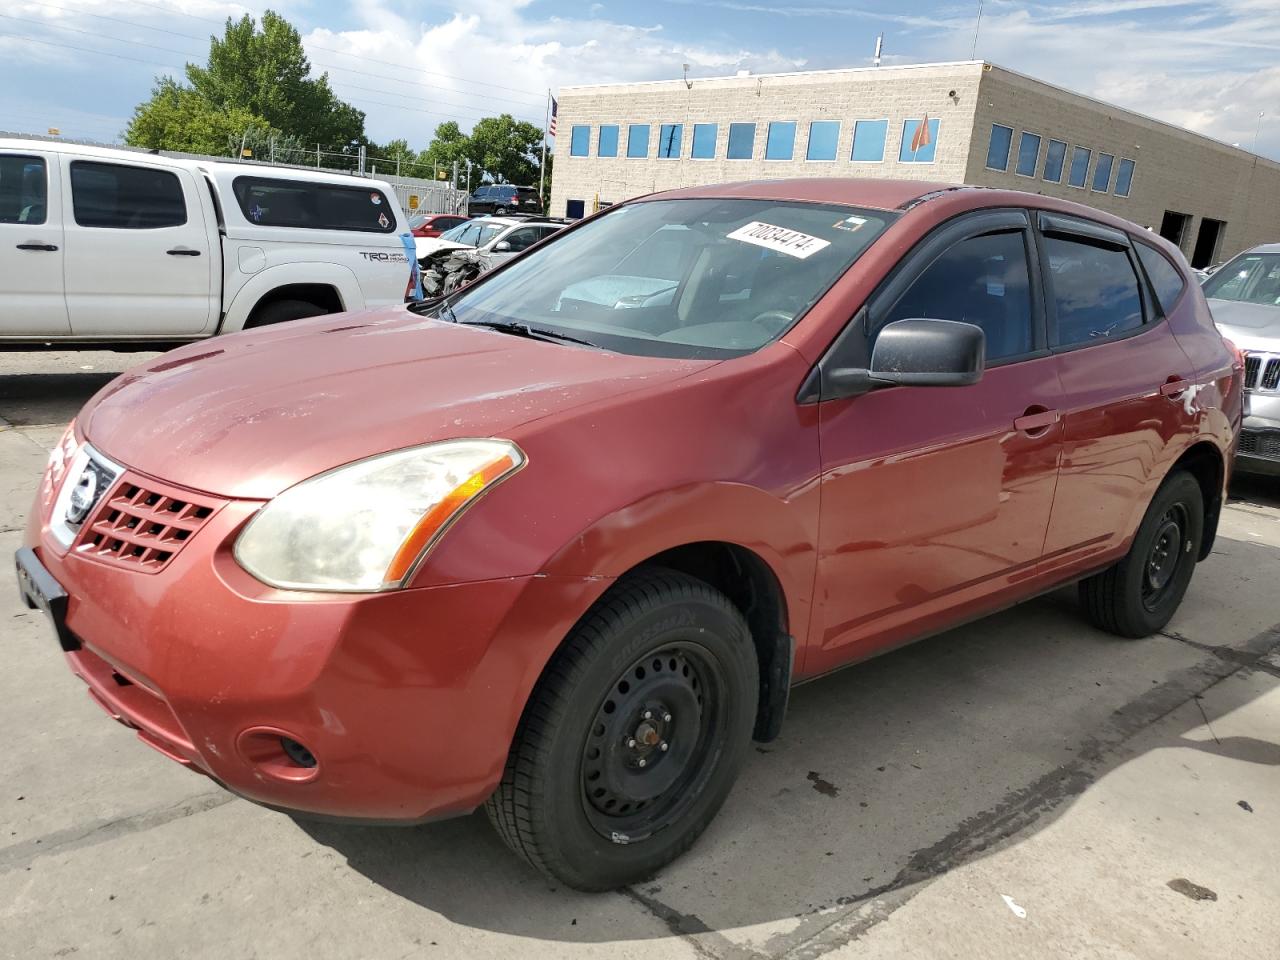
[[633, 736], [1138, 596]]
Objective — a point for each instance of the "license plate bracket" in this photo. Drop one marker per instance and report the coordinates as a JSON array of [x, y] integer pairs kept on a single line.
[[40, 591]]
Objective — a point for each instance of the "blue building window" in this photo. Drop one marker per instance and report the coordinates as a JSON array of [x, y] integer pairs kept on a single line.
[[781, 142], [608, 145], [823, 136], [742, 140], [1124, 178], [1028, 154], [1055, 159], [868, 140], [919, 142], [638, 140], [580, 142], [704, 141], [669, 136], [999, 147], [1102, 172], [1080, 158]]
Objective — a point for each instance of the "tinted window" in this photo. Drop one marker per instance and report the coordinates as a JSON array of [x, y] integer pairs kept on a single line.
[[704, 141], [638, 140], [823, 135], [1079, 166], [780, 143], [23, 189], [1102, 172], [580, 141], [919, 141], [742, 138], [999, 147], [1164, 277], [1055, 158], [608, 145], [1028, 154], [125, 197], [313, 206], [1093, 290], [1252, 278], [983, 281], [523, 238], [1124, 178], [868, 140], [669, 136]]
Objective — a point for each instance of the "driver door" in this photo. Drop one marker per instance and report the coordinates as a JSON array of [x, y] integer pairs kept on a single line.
[[935, 500]]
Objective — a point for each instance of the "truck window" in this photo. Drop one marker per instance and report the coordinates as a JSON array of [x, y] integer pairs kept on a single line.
[[314, 206], [125, 197], [23, 189]]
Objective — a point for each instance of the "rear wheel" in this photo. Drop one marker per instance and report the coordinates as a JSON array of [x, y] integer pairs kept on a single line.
[[634, 735], [1139, 595], [281, 311]]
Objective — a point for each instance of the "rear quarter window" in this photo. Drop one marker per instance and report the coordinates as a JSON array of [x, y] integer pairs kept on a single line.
[[314, 206], [1165, 278]]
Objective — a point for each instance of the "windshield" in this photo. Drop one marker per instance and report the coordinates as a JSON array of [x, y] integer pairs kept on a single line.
[[416, 221], [705, 278], [473, 233], [1251, 278]]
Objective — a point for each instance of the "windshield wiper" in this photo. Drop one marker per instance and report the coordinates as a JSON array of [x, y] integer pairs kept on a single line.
[[524, 330]]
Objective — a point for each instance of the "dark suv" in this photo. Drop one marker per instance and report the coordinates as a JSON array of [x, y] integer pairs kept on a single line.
[[503, 198]]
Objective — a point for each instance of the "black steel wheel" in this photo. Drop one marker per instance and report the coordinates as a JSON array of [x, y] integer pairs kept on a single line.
[[1137, 596], [633, 736]]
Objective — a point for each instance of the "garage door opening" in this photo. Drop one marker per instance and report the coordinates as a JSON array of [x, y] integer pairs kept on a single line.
[[1207, 240], [1174, 226]]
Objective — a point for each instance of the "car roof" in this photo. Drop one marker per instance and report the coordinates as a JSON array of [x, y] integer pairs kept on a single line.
[[1265, 248]]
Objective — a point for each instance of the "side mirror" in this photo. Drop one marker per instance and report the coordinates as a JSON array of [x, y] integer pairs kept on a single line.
[[928, 353], [502, 246]]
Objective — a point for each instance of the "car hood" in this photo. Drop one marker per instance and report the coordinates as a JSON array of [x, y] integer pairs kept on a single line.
[[426, 245], [249, 414], [1250, 326]]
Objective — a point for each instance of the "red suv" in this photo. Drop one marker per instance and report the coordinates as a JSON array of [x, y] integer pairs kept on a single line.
[[561, 542]]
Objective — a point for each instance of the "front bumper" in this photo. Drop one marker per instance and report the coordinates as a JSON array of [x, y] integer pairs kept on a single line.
[[1259, 448], [408, 700]]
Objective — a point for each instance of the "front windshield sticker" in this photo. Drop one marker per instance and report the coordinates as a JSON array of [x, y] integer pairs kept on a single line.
[[850, 223], [791, 242]]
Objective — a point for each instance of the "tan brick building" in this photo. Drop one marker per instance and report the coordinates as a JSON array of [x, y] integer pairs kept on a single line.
[[985, 125]]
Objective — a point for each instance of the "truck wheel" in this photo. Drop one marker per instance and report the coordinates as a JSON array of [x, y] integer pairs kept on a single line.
[[633, 736], [1139, 595], [280, 311]]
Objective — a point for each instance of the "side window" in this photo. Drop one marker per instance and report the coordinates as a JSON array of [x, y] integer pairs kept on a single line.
[[24, 186], [313, 206], [523, 238], [124, 197], [984, 281], [1164, 277], [1092, 289]]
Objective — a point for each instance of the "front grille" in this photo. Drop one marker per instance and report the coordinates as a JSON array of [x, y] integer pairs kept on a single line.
[[1251, 366], [1271, 375], [142, 524], [1260, 443]]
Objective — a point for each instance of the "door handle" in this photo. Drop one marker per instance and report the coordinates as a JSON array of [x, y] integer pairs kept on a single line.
[[183, 252], [1036, 421], [1173, 388], [37, 246]]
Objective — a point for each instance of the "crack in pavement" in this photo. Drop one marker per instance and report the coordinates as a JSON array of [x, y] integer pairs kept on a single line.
[[692, 930], [20, 855], [1248, 659]]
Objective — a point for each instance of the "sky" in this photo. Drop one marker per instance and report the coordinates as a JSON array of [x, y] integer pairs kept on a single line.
[[82, 65]]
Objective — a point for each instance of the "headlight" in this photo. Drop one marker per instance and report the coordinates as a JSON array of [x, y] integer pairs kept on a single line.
[[366, 525]]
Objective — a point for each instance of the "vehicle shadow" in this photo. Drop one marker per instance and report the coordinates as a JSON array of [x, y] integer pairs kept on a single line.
[[886, 774], [47, 399], [1255, 490]]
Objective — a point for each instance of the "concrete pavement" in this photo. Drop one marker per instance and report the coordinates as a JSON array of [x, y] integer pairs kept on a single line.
[[1025, 756]]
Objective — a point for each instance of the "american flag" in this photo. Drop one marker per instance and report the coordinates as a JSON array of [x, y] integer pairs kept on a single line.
[[551, 127]]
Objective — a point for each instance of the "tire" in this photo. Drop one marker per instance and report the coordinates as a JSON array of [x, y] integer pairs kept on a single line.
[[500, 211], [281, 311], [659, 642], [1138, 596]]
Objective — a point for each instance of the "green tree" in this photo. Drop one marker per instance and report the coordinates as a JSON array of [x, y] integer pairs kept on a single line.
[[263, 73], [508, 149], [178, 118]]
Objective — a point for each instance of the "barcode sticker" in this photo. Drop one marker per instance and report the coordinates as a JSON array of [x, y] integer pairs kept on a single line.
[[791, 242]]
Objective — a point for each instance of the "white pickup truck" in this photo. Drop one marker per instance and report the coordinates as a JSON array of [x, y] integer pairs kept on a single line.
[[102, 246]]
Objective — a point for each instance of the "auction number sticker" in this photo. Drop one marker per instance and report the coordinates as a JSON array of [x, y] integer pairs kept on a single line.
[[791, 242]]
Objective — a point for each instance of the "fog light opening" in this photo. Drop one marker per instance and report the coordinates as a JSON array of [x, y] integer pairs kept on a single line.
[[297, 752]]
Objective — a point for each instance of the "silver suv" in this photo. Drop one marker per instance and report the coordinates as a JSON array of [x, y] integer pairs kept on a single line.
[[1244, 296]]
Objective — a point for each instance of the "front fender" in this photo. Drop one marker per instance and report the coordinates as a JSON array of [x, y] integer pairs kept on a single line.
[[273, 278]]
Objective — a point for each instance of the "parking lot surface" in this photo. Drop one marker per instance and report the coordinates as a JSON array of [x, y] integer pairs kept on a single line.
[[1021, 787]]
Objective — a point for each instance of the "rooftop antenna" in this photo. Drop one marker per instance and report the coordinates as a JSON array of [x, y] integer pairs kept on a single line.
[[688, 84], [976, 27], [879, 47], [1257, 130]]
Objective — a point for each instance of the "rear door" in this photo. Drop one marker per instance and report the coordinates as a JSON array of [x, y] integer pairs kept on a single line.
[[1123, 378], [138, 250], [31, 246], [935, 500]]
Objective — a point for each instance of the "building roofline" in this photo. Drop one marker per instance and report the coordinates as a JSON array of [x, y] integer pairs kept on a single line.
[[776, 74]]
